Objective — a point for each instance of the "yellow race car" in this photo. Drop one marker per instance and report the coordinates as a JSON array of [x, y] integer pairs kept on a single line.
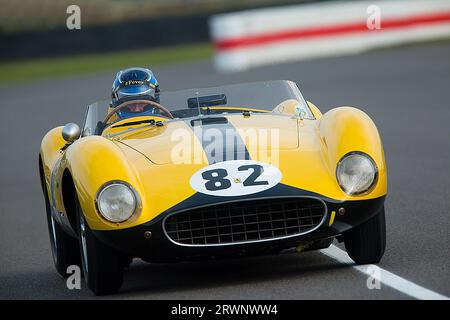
[[235, 170]]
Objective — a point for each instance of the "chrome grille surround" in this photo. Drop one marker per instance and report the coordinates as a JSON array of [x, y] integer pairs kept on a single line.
[[245, 221]]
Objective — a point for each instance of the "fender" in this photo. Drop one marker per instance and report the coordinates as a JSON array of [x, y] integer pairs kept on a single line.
[[93, 161], [346, 129]]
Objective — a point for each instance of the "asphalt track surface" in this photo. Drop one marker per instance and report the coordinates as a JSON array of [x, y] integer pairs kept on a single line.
[[406, 91]]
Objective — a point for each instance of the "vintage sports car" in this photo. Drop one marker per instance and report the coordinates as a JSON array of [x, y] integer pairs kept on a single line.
[[229, 171]]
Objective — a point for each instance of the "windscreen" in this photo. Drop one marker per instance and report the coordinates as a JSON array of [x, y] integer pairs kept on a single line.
[[259, 95], [265, 95]]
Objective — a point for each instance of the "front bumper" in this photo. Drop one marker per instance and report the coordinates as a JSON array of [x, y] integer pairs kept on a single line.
[[158, 248]]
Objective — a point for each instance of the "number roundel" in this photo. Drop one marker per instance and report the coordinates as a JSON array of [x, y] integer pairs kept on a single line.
[[235, 178]]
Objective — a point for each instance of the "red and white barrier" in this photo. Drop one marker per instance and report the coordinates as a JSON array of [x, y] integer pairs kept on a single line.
[[264, 36]]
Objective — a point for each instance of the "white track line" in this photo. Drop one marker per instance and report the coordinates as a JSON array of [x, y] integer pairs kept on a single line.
[[385, 277]]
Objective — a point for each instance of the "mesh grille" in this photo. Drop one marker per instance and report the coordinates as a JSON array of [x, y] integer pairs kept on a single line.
[[245, 221]]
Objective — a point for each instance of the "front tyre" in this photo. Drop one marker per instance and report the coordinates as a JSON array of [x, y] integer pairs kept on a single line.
[[366, 243], [102, 265], [65, 250]]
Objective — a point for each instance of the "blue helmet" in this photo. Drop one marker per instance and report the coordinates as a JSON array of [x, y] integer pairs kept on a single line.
[[134, 84]]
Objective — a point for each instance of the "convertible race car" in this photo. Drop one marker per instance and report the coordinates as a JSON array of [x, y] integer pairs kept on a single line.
[[229, 171]]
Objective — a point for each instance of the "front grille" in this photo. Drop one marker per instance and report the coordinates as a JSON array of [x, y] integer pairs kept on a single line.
[[245, 221]]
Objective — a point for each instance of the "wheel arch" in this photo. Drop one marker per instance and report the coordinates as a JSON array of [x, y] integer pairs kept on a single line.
[[68, 195]]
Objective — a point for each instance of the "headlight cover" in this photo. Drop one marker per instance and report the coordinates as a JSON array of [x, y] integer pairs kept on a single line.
[[117, 201], [356, 173]]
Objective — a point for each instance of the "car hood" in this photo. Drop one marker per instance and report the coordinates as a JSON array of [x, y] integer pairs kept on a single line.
[[256, 134]]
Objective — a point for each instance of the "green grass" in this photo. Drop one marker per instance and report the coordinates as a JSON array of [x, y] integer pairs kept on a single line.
[[20, 71]]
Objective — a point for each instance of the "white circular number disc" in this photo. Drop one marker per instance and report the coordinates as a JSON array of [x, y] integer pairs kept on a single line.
[[235, 178]]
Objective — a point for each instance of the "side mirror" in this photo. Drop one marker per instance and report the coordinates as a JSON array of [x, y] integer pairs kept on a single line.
[[71, 132]]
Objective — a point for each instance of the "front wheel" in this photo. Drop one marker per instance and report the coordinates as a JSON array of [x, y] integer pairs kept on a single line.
[[65, 250], [366, 243], [102, 265]]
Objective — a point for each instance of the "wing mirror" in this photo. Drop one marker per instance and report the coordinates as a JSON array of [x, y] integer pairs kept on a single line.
[[71, 132]]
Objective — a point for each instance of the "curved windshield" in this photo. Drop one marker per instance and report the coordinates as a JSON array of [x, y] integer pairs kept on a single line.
[[256, 95], [265, 95]]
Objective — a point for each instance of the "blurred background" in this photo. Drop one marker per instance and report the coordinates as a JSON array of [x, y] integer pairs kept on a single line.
[[37, 28], [36, 40], [390, 58]]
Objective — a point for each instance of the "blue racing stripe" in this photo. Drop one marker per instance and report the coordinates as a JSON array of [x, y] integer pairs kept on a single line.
[[219, 138]]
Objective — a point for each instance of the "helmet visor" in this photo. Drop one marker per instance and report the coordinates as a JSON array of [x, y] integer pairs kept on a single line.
[[135, 91]]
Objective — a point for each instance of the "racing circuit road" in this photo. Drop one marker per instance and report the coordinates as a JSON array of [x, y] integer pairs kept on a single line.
[[406, 91]]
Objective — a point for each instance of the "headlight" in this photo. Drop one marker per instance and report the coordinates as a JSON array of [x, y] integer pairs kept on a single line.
[[356, 173], [117, 201]]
